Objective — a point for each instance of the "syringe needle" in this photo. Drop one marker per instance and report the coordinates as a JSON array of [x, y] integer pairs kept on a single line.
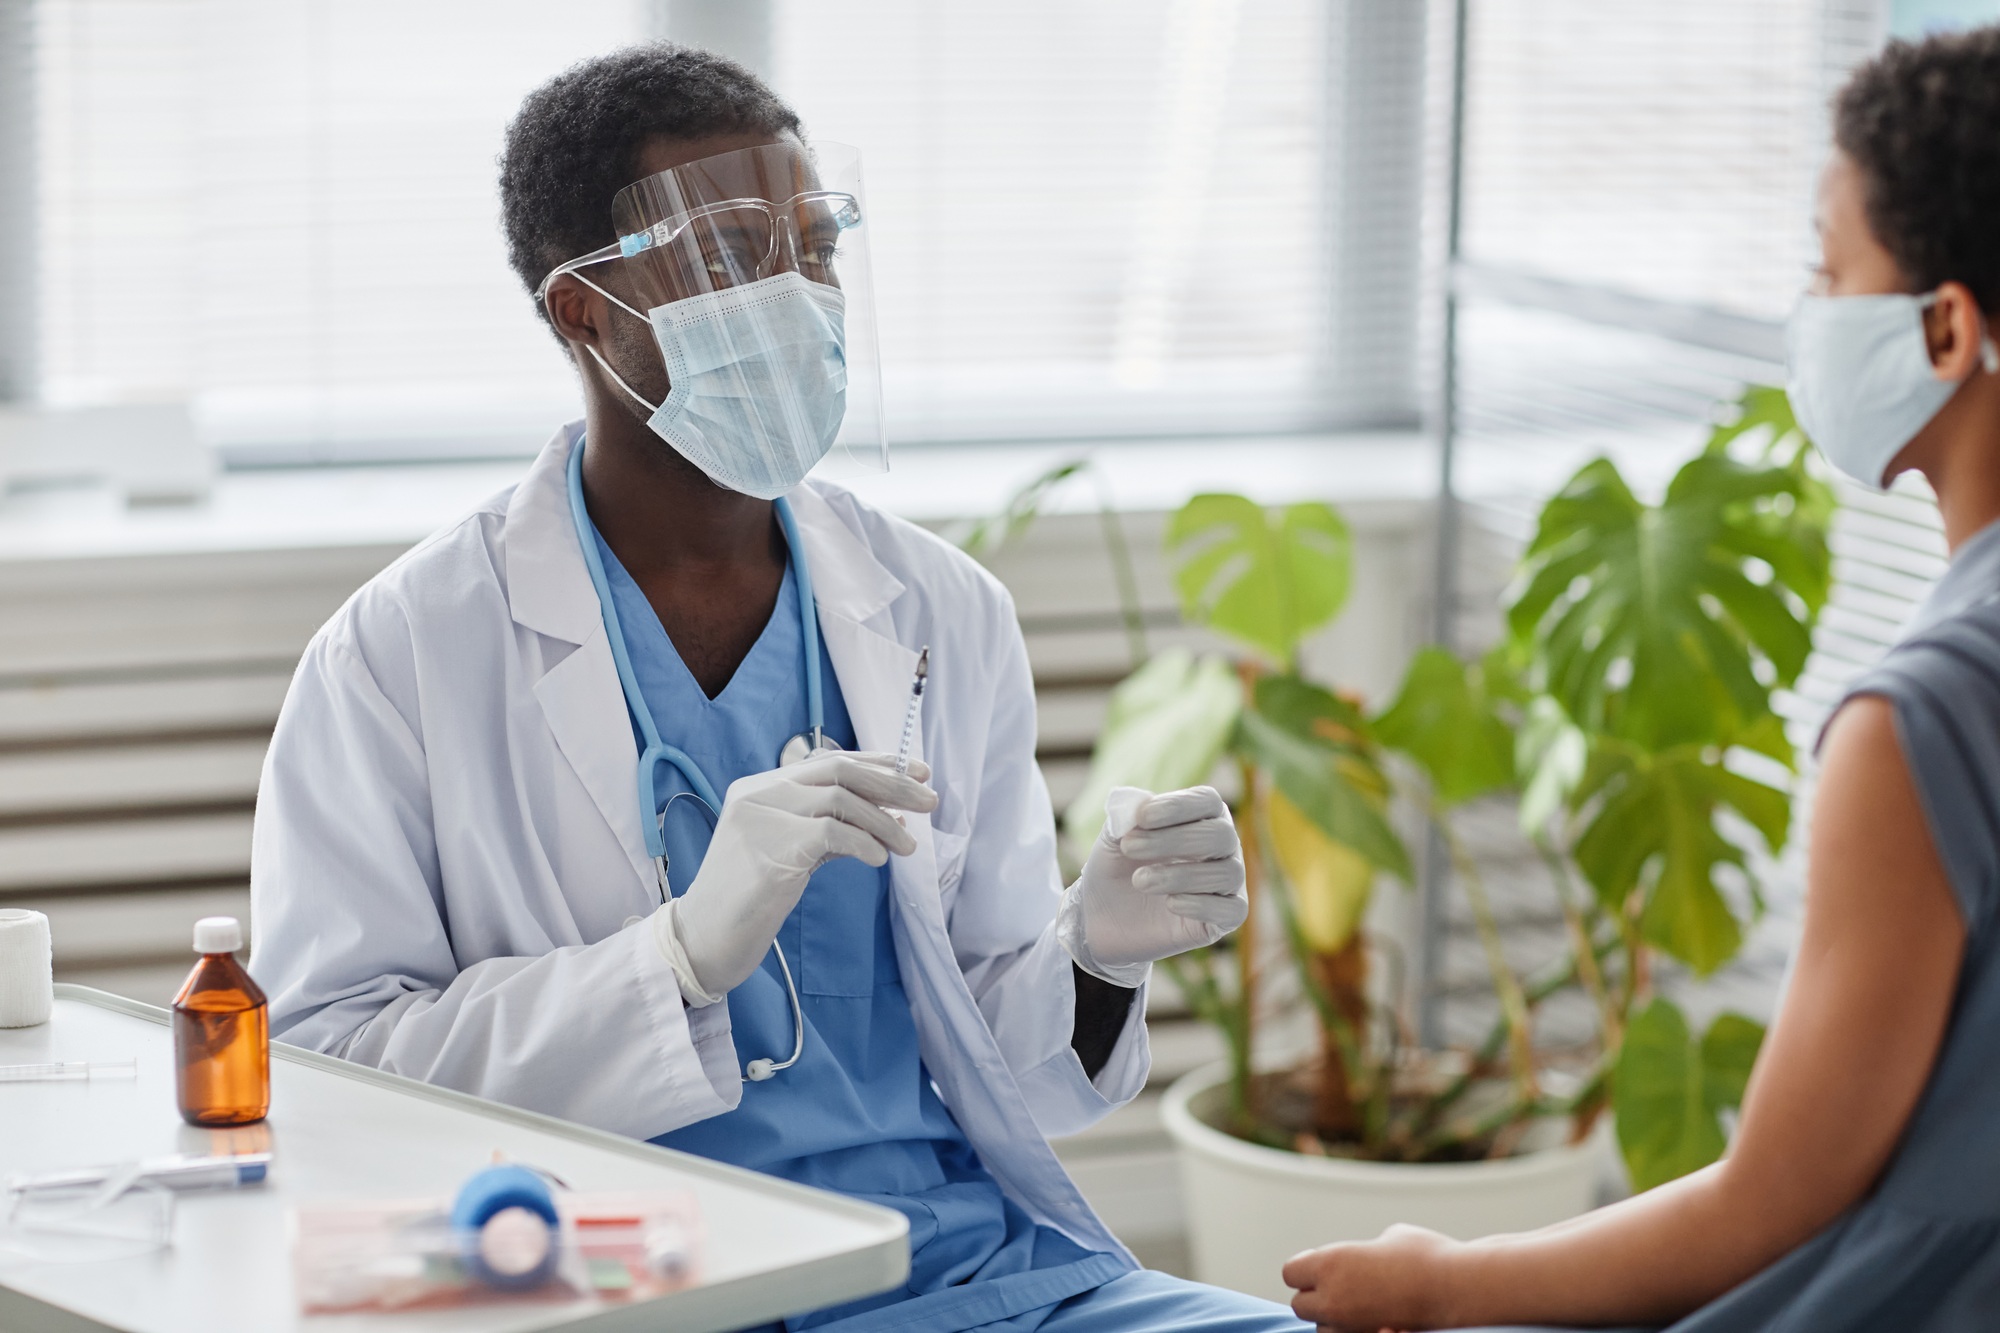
[[910, 714]]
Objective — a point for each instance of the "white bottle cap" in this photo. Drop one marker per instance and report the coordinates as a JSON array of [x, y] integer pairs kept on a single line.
[[217, 934]]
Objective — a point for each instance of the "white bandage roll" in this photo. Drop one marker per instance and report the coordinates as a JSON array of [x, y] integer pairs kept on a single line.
[[27, 980]]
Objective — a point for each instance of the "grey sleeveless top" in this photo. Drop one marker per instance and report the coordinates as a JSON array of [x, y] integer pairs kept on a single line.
[[1921, 1252]]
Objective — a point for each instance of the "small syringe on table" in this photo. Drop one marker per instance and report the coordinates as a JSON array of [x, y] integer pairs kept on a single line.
[[63, 1071], [176, 1171], [910, 714]]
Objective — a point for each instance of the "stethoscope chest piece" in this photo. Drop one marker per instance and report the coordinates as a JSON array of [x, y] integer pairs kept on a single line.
[[804, 746]]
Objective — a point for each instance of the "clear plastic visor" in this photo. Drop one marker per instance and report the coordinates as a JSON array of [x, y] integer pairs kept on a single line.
[[729, 221]]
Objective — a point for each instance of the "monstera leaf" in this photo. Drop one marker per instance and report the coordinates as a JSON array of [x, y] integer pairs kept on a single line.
[[1671, 624], [1552, 754], [1265, 579], [1762, 409], [1651, 826], [1315, 748], [987, 536], [1673, 1090], [1166, 727], [1445, 718]]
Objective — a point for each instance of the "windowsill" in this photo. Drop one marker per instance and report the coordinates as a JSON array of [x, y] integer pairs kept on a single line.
[[306, 508]]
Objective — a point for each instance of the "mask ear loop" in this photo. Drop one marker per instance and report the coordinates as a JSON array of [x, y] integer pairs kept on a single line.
[[619, 380], [573, 269]]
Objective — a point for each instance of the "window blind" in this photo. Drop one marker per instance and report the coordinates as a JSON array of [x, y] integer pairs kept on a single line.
[[1667, 150], [284, 210], [1088, 219]]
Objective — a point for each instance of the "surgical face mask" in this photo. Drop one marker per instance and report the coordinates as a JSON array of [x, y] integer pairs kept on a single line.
[[1860, 378], [757, 380]]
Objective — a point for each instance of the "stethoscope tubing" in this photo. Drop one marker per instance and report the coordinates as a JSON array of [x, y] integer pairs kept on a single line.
[[658, 750]]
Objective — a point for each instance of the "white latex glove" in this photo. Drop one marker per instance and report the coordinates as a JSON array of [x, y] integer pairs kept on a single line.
[[1165, 876], [775, 829]]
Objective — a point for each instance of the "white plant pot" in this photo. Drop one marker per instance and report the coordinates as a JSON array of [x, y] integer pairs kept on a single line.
[[1250, 1208]]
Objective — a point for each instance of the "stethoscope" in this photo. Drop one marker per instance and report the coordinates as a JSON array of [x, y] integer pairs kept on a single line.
[[813, 740]]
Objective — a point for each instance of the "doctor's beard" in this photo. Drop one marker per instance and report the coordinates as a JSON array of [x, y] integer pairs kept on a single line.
[[629, 347]]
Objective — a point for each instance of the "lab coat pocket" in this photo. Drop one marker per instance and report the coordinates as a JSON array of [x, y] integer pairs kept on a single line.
[[949, 850]]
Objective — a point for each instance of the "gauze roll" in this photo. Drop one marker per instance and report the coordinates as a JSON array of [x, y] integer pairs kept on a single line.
[[27, 980]]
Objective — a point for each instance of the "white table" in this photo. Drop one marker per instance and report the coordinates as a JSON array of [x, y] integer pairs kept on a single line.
[[339, 1130]]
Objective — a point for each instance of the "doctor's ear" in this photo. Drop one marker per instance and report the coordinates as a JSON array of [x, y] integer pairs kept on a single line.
[[577, 313], [1954, 330]]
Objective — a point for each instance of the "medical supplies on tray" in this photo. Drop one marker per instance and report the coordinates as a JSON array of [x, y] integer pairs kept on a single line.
[[508, 1236]]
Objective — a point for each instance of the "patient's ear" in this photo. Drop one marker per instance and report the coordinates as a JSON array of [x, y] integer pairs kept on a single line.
[[1954, 330]]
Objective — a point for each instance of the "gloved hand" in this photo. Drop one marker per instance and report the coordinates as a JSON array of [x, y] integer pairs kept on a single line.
[[1165, 876], [775, 829]]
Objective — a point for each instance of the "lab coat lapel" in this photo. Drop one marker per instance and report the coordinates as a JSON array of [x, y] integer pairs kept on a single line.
[[585, 711], [874, 672], [852, 589], [549, 591]]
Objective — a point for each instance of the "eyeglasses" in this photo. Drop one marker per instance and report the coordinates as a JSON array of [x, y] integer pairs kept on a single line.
[[730, 244]]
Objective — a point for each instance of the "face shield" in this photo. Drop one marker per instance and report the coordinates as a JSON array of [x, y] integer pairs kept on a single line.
[[752, 269]]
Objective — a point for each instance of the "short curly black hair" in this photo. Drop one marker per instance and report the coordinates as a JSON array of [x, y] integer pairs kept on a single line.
[[1922, 122], [575, 142]]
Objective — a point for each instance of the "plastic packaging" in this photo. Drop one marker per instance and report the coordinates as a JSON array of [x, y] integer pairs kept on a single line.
[[409, 1254], [222, 1033], [123, 1218]]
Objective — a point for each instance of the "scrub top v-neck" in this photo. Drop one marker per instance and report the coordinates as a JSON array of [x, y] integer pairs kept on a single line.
[[857, 1114]]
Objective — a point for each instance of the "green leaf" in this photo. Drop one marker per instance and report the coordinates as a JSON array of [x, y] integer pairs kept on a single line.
[[1728, 1051], [1762, 407], [1342, 793], [1265, 583], [1166, 727], [985, 537], [1665, 1126], [1670, 1093], [1444, 719], [1553, 752], [1651, 826], [1671, 624], [1310, 711]]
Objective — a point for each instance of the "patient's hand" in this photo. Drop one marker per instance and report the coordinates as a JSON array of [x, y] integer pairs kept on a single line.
[[1362, 1286]]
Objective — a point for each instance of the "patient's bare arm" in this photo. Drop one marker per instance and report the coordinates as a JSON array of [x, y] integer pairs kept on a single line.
[[1840, 1074]]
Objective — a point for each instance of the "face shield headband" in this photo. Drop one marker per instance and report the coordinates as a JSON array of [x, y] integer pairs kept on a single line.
[[751, 268]]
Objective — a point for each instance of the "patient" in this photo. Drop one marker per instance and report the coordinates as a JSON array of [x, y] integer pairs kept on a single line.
[[1862, 1190]]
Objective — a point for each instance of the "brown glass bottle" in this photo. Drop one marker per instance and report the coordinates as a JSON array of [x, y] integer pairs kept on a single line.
[[222, 1033]]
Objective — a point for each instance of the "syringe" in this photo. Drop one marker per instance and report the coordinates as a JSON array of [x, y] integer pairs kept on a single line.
[[60, 1071], [178, 1171], [910, 715]]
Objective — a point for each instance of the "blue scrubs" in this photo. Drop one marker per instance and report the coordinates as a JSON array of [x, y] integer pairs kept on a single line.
[[857, 1113]]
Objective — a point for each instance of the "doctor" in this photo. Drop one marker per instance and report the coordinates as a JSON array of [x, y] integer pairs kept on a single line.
[[587, 803]]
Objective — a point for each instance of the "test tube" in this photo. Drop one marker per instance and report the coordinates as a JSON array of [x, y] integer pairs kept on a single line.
[[63, 1071]]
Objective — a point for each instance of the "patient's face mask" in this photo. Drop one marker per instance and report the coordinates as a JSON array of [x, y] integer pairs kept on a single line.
[[752, 272], [1860, 378]]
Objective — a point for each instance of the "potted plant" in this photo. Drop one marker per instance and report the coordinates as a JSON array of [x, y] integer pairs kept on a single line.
[[1628, 712]]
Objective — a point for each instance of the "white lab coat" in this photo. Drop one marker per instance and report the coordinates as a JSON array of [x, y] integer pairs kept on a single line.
[[449, 880]]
